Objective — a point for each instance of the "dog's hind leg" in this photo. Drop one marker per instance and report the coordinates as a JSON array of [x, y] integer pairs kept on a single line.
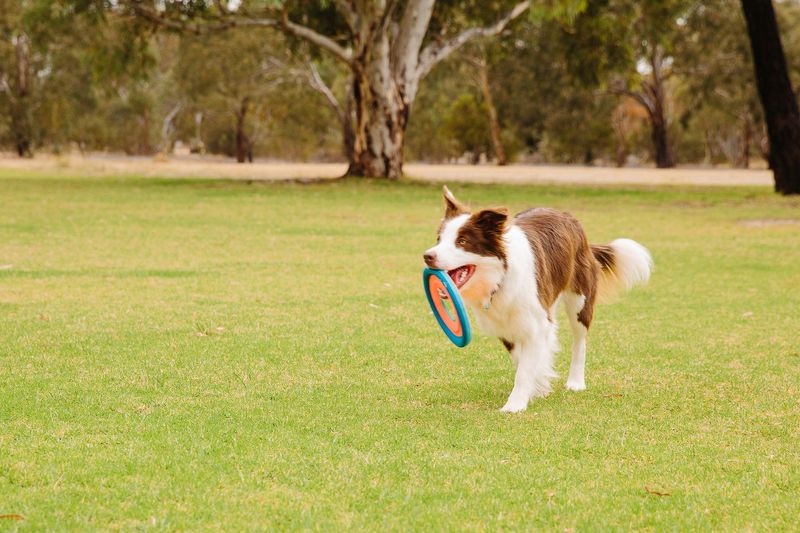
[[574, 304]]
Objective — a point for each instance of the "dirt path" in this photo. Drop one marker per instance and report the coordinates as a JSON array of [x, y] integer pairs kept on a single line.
[[214, 167]]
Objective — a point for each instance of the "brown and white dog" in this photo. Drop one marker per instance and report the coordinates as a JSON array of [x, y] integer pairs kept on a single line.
[[512, 272]]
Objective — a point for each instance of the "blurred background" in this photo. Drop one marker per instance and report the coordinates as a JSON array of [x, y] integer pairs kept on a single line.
[[594, 82]]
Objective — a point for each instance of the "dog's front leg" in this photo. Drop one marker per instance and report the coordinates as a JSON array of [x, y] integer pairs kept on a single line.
[[534, 360], [534, 370], [523, 384]]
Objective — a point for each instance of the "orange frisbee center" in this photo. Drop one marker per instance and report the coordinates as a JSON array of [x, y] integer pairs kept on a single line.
[[450, 319]]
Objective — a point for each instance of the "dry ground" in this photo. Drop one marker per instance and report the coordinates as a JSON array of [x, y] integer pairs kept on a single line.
[[216, 167]]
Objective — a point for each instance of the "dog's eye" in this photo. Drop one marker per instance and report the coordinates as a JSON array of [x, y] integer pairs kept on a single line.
[[462, 242]]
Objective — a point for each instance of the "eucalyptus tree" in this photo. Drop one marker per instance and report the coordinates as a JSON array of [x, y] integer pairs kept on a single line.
[[58, 71], [387, 46], [652, 30], [240, 88], [23, 47]]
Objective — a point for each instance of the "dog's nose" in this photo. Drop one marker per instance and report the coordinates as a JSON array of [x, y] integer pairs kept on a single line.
[[430, 259]]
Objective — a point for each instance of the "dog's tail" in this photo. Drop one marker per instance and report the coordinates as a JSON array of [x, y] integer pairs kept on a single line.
[[623, 264]]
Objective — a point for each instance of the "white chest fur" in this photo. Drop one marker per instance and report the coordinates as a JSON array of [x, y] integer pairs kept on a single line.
[[514, 309]]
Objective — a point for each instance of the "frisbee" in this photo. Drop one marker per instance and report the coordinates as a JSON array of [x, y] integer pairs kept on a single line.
[[453, 319]]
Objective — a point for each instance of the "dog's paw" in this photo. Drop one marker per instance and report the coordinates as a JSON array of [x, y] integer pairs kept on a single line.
[[575, 385], [514, 406]]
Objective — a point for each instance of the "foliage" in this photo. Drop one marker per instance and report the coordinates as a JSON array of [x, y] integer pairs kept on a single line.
[[100, 79], [465, 122]]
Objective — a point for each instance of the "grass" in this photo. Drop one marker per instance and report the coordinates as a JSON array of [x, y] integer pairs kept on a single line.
[[201, 355]]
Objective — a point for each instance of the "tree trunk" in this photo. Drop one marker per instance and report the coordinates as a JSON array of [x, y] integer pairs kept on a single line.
[[621, 154], [708, 154], [491, 110], [22, 141], [381, 115], [242, 141], [660, 138], [777, 97], [618, 124], [21, 122], [659, 131], [743, 161], [347, 119], [168, 128]]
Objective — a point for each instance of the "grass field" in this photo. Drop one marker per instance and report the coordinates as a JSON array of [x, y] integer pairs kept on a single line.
[[200, 355]]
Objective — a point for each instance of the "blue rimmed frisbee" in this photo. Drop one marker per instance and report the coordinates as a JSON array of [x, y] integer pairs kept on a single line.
[[453, 319]]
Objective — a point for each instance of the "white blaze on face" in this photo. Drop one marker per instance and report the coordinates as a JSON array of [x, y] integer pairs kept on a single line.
[[449, 256]]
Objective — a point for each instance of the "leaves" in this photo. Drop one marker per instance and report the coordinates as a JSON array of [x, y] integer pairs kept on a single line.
[[565, 11]]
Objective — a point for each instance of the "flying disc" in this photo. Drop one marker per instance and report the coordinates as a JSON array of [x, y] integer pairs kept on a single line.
[[453, 319]]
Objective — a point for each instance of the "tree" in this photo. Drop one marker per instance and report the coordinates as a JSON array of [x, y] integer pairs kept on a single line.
[[545, 80], [466, 125], [652, 96], [208, 77], [480, 61], [653, 30], [22, 54], [62, 78], [720, 101], [777, 97], [387, 47]]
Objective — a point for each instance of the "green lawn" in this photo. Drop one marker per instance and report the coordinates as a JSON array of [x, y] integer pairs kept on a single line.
[[197, 355]]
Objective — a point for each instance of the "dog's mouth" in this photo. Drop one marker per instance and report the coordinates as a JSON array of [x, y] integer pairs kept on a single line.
[[461, 274]]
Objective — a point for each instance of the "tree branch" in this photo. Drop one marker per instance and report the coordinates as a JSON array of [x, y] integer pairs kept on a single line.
[[638, 97], [323, 41], [386, 16], [436, 52], [318, 84], [411, 32], [164, 21], [231, 20]]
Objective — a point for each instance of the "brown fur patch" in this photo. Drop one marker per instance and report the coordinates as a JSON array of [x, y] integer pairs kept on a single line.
[[604, 255], [608, 281], [482, 234], [562, 258], [508, 344], [452, 207]]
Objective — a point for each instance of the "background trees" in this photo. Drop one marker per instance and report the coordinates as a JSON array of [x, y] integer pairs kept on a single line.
[[581, 81], [387, 48], [720, 112]]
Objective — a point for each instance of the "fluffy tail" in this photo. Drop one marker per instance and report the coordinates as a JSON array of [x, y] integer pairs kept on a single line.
[[624, 263]]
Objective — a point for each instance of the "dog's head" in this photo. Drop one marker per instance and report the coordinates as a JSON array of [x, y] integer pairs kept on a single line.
[[470, 247]]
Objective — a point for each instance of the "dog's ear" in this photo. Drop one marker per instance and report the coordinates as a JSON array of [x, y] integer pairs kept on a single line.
[[492, 220], [452, 207]]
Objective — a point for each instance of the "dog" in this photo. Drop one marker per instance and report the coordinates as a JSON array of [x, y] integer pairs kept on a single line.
[[512, 273]]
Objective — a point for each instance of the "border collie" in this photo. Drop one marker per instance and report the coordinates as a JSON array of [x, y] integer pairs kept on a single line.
[[512, 272]]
